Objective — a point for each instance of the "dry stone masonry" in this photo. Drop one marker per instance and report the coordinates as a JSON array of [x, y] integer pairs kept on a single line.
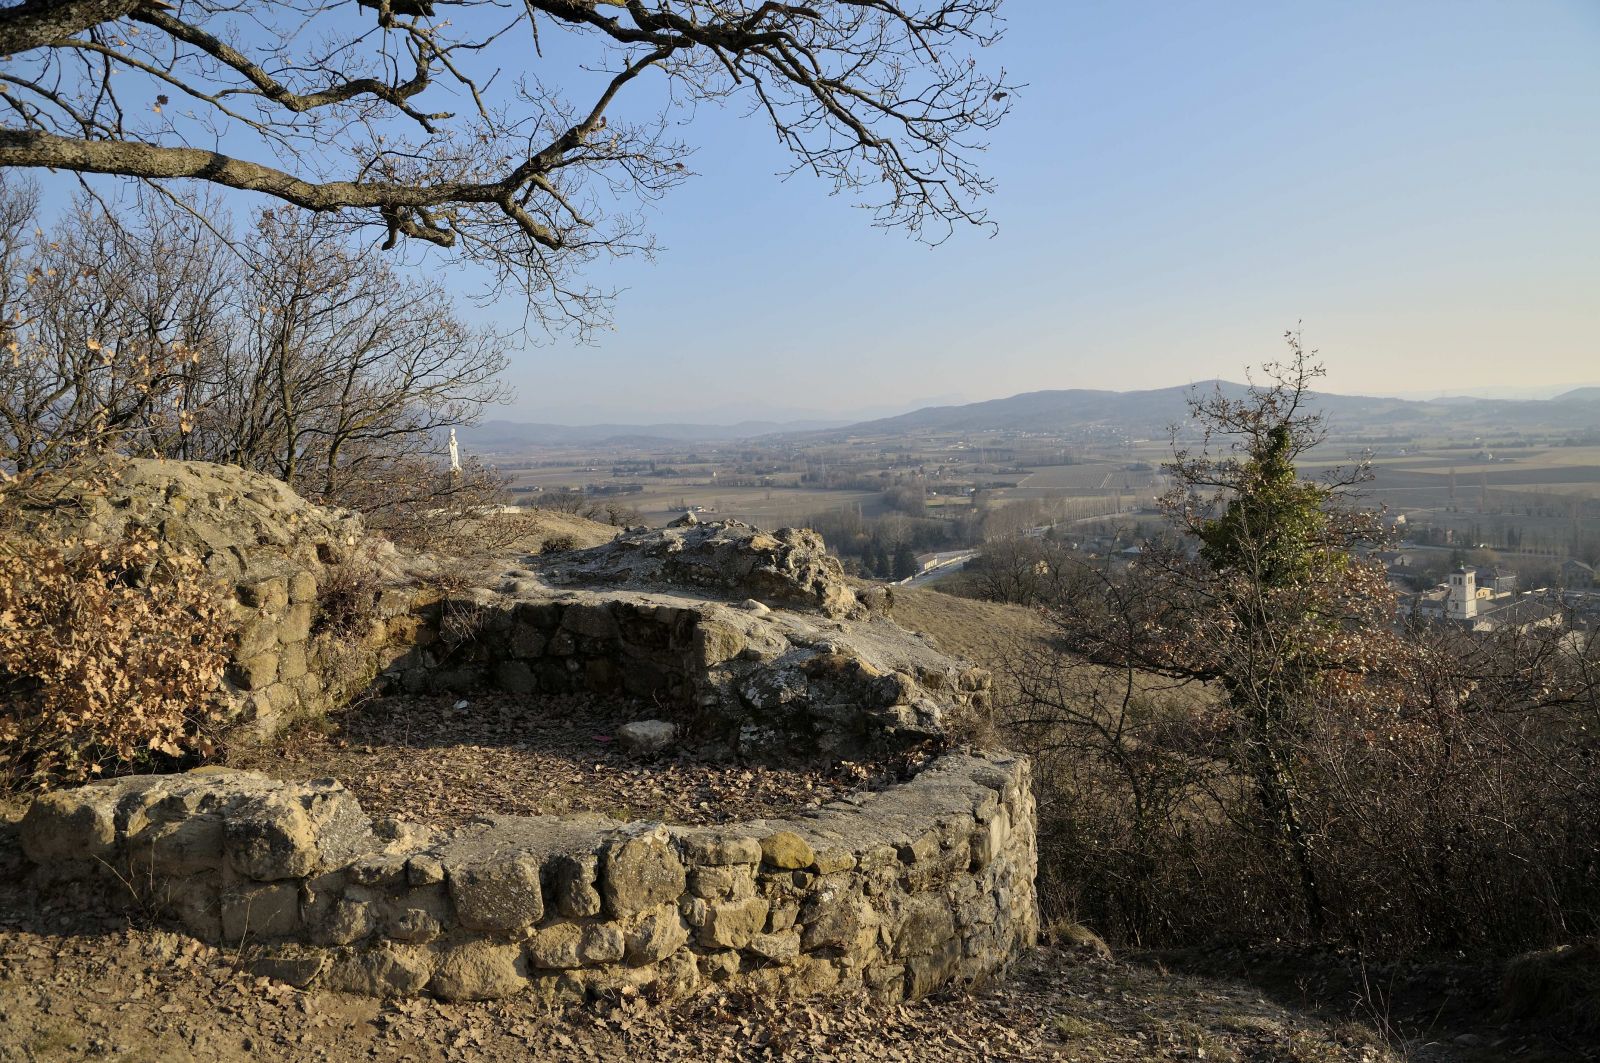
[[895, 892], [741, 636]]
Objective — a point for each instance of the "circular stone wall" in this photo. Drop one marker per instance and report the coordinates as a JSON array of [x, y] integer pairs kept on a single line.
[[897, 891]]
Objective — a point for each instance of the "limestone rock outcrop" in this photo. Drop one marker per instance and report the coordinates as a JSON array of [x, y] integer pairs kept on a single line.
[[240, 524], [789, 567]]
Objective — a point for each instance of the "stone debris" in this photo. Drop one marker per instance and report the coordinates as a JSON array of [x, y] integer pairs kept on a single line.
[[647, 736], [790, 566]]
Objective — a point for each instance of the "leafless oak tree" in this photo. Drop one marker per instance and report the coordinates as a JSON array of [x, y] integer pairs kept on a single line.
[[318, 364], [436, 120]]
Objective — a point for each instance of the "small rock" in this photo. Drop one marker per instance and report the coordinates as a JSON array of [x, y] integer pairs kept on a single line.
[[755, 607], [646, 736], [786, 849]]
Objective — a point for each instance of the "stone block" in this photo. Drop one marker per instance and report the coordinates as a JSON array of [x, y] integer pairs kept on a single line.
[[292, 662], [390, 970], [302, 587], [296, 624], [923, 926], [294, 831], [602, 943], [640, 871], [733, 882], [835, 918], [497, 893], [556, 947], [256, 636], [416, 926], [731, 924], [260, 912], [515, 677], [654, 935], [717, 850], [590, 621], [808, 976], [70, 825], [786, 849], [831, 861], [257, 672], [479, 970], [351, 920], [572, 885], [527, 641], [269, 595], [424, 869], [781, 948], [716, 642], [926, 973]]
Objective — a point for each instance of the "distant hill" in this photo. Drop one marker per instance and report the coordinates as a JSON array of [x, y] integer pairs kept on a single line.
[[1146, 414], [1083, 412], [493, 436]]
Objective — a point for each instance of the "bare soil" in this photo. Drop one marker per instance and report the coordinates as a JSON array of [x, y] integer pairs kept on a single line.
[[443, 760], [73, 989]]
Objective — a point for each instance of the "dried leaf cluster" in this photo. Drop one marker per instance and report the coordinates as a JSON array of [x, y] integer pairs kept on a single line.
[[111, 654]]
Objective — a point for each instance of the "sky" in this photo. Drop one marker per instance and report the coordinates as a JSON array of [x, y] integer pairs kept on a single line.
[[1416, 184]]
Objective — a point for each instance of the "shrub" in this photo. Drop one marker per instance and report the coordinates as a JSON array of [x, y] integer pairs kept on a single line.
[[111, 655], [558, 544]]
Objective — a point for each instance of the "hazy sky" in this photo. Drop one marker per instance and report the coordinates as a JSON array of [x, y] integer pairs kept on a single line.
[[1419, 183]]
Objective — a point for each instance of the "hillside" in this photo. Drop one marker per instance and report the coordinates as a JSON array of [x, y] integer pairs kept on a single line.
[[1149, 413]]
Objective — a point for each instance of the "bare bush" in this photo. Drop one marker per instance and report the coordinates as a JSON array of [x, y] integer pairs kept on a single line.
[[111, 654], [1242, 745], [307, 360]]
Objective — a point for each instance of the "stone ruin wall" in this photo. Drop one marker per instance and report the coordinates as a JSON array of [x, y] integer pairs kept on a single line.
[[895, 892], [726, 670]]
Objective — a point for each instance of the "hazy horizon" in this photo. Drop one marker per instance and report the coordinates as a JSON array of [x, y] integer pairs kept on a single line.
[[1177, 186], [725, 416]]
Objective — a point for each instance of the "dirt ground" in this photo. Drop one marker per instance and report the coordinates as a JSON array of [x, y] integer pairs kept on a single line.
[[71, 990], [442, 760]]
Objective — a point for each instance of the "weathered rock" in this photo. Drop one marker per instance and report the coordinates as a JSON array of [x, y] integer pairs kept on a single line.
[[779, 948], [924, 924], [390, 970], [294, 965], [731, 924], [71, 824], [260, 912], [293, 831], [655, 934], [640, 871], [792, 566], [478, 970], [573, 885], [556, 947], [786, 849], [836, 918], [646, 736], [497, 893]]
